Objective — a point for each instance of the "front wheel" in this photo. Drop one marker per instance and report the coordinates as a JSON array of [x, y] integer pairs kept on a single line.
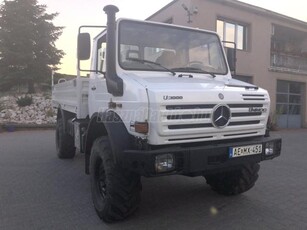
[[115, 191], [234, 182]]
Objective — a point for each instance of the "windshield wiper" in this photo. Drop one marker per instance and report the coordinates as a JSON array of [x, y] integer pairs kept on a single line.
[[194, 70], [151, 62]]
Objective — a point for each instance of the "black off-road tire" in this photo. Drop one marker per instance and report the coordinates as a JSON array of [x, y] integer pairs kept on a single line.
[[234, 182], [115, 191], [64, 142]]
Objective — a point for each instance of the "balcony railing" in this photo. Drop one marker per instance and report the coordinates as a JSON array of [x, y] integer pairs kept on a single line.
[[289, 62]]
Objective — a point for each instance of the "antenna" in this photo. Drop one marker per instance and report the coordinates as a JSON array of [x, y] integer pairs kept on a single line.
[[190, 11]]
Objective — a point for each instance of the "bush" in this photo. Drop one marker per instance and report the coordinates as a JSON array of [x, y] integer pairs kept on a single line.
[[47, 95], [24, 101], [50, 113]]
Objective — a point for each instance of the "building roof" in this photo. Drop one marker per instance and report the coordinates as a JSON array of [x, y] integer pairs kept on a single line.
[[246, 7], [163, 8]]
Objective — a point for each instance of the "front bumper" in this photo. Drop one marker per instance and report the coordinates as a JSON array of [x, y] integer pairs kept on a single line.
[[197, 159]]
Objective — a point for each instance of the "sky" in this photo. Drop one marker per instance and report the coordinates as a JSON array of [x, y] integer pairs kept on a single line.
[[73, 13]]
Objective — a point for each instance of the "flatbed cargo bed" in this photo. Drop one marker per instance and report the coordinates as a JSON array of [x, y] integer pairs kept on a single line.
[[72, 96]]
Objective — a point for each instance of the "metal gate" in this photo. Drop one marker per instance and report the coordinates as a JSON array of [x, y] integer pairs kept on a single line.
[[289, 104]]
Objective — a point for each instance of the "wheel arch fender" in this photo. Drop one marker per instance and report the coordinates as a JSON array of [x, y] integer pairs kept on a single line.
[[108, 124], [60, 114]]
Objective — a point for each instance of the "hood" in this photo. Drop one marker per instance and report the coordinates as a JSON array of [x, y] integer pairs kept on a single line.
[[173, 82], [181, 108], [191, 89], [197, 82]]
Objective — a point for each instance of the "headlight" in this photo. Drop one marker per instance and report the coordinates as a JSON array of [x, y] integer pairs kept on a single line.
[[269, 148], [164, 163]]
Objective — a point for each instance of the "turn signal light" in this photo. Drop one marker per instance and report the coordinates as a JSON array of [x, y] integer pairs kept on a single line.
[[141, 127]]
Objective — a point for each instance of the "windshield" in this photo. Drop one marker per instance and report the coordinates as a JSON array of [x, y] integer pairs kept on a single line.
[[174, 48]]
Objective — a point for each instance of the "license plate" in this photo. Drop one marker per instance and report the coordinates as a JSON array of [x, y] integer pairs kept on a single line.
[[245, 150]]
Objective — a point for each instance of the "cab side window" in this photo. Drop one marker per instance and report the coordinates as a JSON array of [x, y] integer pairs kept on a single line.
[[101, 55]]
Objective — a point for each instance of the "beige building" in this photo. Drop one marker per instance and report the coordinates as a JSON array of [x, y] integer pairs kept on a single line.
[[271, 49]]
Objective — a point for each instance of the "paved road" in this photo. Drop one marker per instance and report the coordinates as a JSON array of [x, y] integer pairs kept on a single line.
[[39, 191]]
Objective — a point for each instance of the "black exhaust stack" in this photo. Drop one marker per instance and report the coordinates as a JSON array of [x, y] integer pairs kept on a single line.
[[114, 83]]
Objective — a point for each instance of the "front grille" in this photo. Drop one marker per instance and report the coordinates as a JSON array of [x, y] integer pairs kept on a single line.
[[197, 106], [240, 134], [248, 114], [235, 108], [191, 138], [190, 126], [184, 123], [188, 116], [244, 123], [253, 97], [199, 116], [245, 105]]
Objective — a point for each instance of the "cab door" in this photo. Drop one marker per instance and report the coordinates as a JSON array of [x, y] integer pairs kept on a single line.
[[98, 93]]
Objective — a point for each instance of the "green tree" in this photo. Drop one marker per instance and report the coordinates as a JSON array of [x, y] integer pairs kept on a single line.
[[27, 43]]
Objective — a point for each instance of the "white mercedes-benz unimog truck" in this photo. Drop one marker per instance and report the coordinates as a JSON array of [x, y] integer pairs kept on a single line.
[[160, 100]]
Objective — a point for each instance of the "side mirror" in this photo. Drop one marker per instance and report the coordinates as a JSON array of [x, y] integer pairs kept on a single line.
[[84, 46], [232, 59]]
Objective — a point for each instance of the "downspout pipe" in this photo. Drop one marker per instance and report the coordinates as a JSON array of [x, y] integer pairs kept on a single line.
[[115, 84]]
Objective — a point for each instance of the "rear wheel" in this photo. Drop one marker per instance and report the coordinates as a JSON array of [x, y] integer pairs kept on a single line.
[[64, 142], [115, 191], [234, 182]]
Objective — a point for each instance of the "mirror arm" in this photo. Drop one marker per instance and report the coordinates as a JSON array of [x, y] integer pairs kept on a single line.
[[79, 60]]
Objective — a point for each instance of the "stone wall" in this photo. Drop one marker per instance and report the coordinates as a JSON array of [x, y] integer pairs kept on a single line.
[[39, 112]]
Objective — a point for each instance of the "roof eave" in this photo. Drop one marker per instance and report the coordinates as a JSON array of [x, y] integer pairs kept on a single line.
[[163, 8], [259, 10]]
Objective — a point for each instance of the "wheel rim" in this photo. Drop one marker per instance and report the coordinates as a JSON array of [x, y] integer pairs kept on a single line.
[[101, 180]]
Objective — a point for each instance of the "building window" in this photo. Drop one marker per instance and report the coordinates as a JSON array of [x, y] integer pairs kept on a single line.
[[289, 97], [232, 32]]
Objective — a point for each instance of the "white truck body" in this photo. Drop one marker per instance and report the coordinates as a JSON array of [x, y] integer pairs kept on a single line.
[[160, 100]]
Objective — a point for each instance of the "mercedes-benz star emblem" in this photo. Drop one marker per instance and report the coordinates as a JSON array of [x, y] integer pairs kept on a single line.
[[221, 116]]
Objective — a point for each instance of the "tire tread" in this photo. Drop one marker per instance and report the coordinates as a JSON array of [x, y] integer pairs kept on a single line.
[[234, 182], [123, 187], [65, 143]]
